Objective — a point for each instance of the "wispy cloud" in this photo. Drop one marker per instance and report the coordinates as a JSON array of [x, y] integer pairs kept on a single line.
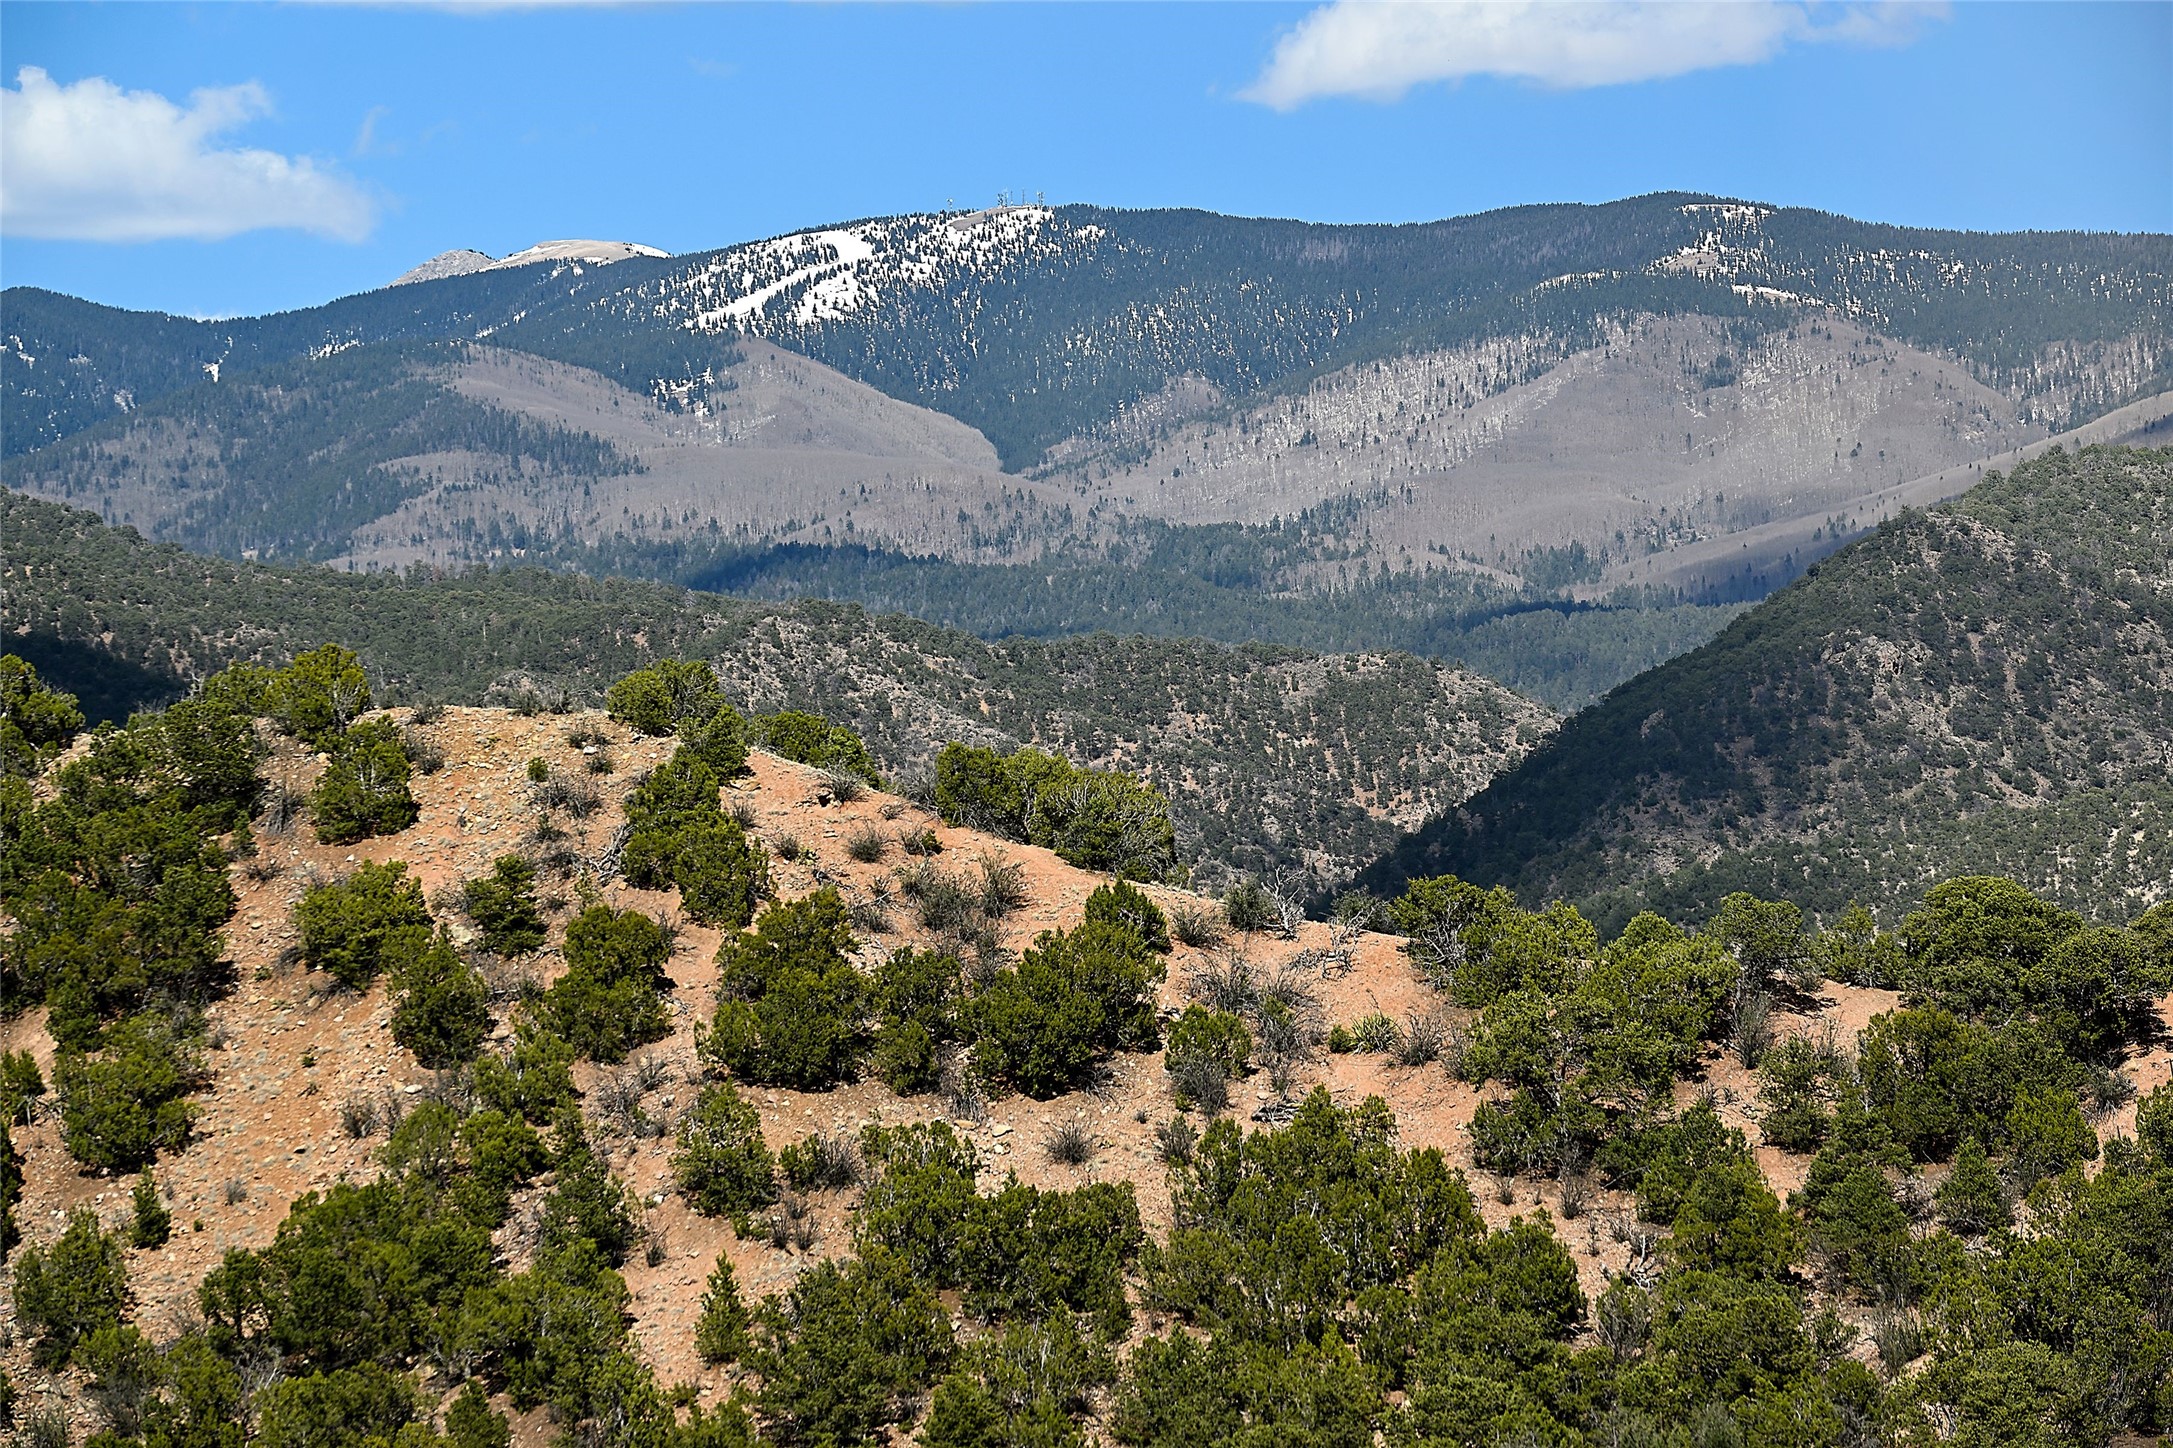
[[1378, 50], [92, 162], [366, 140]]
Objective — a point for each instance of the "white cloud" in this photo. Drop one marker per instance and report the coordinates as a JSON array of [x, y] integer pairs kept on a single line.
[[92, 162], [1378, 50]]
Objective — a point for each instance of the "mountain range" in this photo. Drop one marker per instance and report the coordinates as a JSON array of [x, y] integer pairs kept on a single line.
[[1468, 417]]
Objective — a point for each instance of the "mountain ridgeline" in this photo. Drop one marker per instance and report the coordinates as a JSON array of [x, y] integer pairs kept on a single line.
[[1035, 325], [1275, 760], [1981, 688]]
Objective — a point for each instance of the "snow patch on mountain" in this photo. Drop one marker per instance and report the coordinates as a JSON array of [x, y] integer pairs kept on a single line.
[[596, 253], [799, 282]]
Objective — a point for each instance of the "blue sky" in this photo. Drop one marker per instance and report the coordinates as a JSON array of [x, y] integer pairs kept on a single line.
[[341, 144]]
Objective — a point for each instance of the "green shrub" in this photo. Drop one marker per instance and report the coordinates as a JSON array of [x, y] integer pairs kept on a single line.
[[1676, 1154], [363, 792], [1105, 820], [819, 1163], [20, 1082], [336, 1410], [1248, 908], [721, 1165], [845, 1352], [2154, 1124], [1376, 1033], [978, 788], [1971, 1200], [1986, 949], [1034, 1254], [532, 1080], [319, 695], [720, 1333], [471, 1422], [1094, 818], [209, 756], [203, 1404], [811, 739], [1860, 1229], [1521, 1136], [152, 1224], [676, 835], [114, 886], [504, 907], [1857, 952], [656, 700], [441, 1005], [678, 793], [1180, 1390], [1730, 1221], [501, 1154], [1123, 903], [719, 741], [587, 1204], [919, 1198], [556, 1331], [2046, 1135], [1073, 997], [11, 1190], [1020, 1387], [357, 1273], [915, 995], [1931, 1079], [611, 998], [124, 1372], [2092, 991], [1205, 1046], [36, 721], [122, 1106], [2153, 931], [356, 927], [722, 874], [790, 1004], [643, 699], [70, 1291], [1795, 1085]]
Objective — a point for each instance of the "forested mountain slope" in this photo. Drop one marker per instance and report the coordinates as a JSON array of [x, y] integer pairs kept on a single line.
[[1985, 687], [1274, 758], [1035, 324]]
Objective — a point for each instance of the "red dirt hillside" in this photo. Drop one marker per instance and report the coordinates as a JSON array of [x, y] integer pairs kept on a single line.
[[291, 1049]]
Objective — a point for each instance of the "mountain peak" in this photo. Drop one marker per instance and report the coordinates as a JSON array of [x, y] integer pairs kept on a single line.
[[462, 261], [456, 263]]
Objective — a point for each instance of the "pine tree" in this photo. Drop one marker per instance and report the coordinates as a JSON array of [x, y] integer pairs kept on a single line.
[[721, 1334], [1971, 1200], [153, 1224]]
